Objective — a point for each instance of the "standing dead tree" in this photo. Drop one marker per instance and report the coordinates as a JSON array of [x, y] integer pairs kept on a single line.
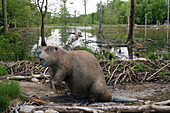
[[42, 4]]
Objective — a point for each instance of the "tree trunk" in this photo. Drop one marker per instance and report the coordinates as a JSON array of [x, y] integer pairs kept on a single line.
[[100, 25], [43, 13], [43, 43], [131, 27], [4, 16], [85, 12]]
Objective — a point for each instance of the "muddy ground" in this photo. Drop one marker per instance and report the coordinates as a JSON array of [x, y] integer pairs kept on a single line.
[[147, 92]]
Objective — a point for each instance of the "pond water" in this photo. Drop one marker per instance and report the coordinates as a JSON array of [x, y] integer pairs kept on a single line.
[[148, 40]]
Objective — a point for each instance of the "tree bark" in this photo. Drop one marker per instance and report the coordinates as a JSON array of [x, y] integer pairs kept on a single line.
[[43, 14], [85, 12], [100, 25], [43, 43], [4, 16], [131, 27]]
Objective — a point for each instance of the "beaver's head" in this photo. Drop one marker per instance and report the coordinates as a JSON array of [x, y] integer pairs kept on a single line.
[[46, 55]]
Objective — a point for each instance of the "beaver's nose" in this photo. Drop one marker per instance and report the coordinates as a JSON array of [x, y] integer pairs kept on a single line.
[[38, 52]]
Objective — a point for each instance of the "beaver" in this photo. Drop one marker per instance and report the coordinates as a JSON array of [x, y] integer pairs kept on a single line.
[[80, 70]]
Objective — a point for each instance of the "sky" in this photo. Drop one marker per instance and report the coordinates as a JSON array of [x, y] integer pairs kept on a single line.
[[77, 5]]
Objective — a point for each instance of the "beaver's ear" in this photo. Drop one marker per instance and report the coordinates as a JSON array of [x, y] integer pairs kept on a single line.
[[56, 48]]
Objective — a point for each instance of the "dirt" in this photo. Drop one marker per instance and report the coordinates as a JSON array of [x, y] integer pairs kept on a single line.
[[147, 92]]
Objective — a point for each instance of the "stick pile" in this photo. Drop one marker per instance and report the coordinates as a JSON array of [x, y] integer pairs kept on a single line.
[[115, 71], [119, 71]]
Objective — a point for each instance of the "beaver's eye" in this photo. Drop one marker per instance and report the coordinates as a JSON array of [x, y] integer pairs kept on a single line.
[[48, 50]]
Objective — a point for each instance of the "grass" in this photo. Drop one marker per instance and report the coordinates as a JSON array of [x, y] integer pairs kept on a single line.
[[8, 90], [3, 70], [4, 103]]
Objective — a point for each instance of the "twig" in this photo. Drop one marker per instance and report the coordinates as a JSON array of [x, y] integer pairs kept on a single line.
[[112, 74], [153, 63], [124, 77], [119, 77], [12, 72], [129, 75], [126, 65], [131, 69], [157, 72], [144, 77], [15, 108], [109, 70], [38, 101], [45, 70]]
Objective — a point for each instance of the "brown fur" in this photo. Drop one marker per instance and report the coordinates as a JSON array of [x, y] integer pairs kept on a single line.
[[79, 69]]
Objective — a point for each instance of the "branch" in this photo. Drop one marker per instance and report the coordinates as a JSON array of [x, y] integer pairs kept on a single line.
[[45, 8], [27, 77], [157, 71], [112, 75], [40, 8]]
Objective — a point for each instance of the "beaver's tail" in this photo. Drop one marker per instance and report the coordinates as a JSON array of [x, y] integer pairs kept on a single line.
[[120, 99]]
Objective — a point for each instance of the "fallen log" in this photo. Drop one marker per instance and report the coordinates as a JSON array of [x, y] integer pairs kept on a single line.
[[69, 109], [167, 102], [113, 108], [143, 108]]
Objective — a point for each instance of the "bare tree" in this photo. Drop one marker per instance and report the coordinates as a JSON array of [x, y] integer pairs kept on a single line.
[[42, 5], [4, 16], [131, 27], [100, 25]]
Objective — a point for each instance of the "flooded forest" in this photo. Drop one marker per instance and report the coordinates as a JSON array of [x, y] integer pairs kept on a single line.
[[63, 56]]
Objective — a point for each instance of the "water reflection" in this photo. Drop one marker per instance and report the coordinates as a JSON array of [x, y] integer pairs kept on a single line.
[[151, 39]]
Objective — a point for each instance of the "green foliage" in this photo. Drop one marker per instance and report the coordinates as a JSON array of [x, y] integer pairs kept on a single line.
[[110, 55], [3, 71], [1, 28], [4, 103], [10, 48], [162, 73], [152, 55], [8, 90], [166, 56], [140, 67], [84, 48]]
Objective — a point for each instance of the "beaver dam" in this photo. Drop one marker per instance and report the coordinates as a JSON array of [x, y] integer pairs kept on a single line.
[[147, 81]]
